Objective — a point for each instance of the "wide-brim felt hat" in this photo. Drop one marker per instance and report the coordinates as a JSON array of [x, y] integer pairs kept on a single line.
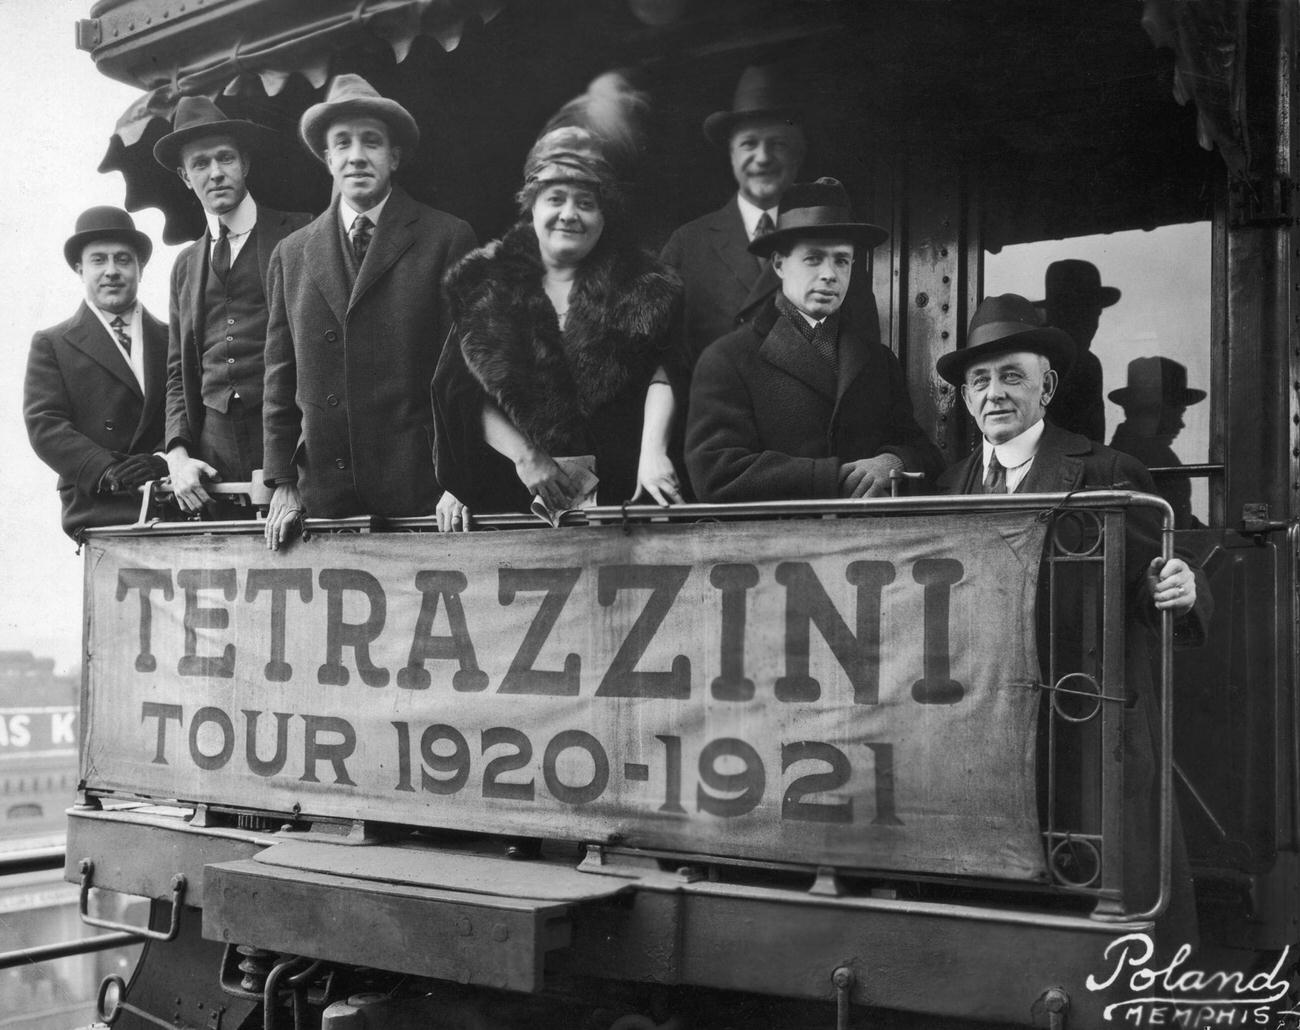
[[1073, 279], [106, 223], [351, 96], [760, 93], [817, 210], [199, 118], [1007, 323], [1156, 381]]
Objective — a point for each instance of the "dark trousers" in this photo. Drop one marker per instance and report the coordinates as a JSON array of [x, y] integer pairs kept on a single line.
[[231, 441]]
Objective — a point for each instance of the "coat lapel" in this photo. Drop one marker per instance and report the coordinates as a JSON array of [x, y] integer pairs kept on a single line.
[[324, 260], [1058, 463], [394, 235], [196, 271], [729, 242], [90, 337], [785, 348], [268, 235], [154, 336]]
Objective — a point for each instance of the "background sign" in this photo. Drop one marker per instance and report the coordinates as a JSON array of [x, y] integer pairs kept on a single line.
[[856, 693]]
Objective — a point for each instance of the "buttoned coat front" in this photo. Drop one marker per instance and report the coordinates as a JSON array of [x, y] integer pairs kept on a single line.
[[346, 406], [771, 420], [185, 409], [85, 411]]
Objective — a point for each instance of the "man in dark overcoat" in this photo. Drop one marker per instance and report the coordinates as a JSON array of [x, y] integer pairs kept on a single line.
[[1008, 374], [799, 405], [356, 326], [94, 390], [725, 285], [218, 303]]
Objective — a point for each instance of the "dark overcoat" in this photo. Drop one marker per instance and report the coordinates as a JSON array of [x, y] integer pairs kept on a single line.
[[724, 287], [85, 411], [1066, 462], [580, 390], [346, 408], [185, 409], [771, 420]]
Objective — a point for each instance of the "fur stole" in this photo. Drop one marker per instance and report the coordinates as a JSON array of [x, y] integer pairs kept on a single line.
[[547, 382]]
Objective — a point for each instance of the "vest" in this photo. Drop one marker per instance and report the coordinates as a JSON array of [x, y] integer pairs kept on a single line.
[[234, 332]]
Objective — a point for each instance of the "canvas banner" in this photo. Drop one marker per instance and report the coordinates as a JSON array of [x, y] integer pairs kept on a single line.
[[857, 693]]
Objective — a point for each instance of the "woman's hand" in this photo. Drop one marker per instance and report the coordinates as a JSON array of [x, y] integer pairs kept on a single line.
[[451, 513], [539, 472], [656, 476]]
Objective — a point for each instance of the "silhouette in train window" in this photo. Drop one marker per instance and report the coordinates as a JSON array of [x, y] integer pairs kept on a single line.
[[1074, 301], [1154, 400]]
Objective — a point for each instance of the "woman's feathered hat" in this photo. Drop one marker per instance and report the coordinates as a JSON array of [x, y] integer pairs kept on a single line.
[[595, 138]]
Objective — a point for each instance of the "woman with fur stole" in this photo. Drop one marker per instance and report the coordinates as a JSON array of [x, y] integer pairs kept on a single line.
[[561, 346]]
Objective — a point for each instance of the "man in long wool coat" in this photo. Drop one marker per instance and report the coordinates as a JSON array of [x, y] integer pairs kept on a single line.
[[355, 327]]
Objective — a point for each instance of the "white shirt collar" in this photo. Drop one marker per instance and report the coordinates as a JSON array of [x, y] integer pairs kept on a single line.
[[347, 215], [241, 220], [1016, 454], [750, 214]]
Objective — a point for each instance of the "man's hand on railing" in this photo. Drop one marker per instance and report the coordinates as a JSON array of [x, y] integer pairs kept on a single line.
[[187, 476], [132, 472], [1172, 583], [284, 519]]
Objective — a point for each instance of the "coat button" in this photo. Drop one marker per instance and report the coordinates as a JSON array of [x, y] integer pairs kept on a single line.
[[331, 336], [230, 321], [109, 424], [339, 463], [230, 361], [332, 401]]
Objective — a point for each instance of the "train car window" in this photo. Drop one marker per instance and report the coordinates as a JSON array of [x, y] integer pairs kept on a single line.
[[1139, 306]]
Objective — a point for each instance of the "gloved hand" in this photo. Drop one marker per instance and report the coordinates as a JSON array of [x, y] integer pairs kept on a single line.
[[133, 471]]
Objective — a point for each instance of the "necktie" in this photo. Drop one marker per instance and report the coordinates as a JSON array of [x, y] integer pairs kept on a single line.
[[119, 329], [361, 232], [995, 479], [221, 253], [765, 225]]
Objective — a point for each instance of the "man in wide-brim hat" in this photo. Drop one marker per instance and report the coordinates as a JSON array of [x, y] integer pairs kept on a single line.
[[94, 388], [356, 325], [799, 404], [218, 304], [1008, 373]]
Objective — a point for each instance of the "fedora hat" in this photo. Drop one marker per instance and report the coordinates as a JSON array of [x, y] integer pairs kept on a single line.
[[351, 96], [817, 210], [760, 93], [1156, 381], [199, 118], [1002, 324], [1072, 278], [106, 223]]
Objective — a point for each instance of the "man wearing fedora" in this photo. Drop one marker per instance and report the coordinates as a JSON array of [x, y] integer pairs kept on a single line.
[[798, 404], [1154, 400], [1073, 301], [1008, 374], [725, 285], [94, 393], [218, 303], [356, 326]]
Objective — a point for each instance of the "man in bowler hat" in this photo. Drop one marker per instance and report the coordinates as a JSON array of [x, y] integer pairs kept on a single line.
[[218, 303], [725, 285], [1009, 373], [1074, 299], [356, 326], [95, 384], [797, 404]]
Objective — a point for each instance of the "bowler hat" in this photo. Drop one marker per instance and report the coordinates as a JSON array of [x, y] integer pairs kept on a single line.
[[760, 93], [1072, 279], [199, 118], [106, 223], [816, 210], [1002, 324], [351, 96], [1156, 381]]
